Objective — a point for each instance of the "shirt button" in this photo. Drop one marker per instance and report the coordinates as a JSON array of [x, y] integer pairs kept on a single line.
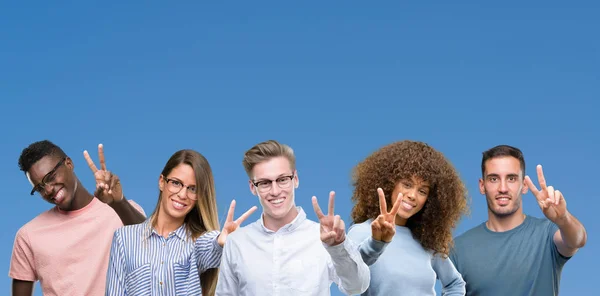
[[160, 283], [161, 262]]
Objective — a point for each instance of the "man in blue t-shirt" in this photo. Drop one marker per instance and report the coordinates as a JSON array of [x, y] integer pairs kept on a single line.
[[512, 253]]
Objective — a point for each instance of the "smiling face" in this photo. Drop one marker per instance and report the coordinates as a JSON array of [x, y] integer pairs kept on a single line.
[[503, 186], [415, 192], [53, 179], [178, 192], [274, 183]]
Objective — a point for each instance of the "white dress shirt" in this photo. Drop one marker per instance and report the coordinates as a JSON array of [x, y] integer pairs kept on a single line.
[[291, 261]]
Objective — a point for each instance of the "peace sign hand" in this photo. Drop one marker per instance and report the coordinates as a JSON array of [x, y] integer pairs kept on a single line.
[[332, 227], [551, 201], [383, 228], [108, 185], [230, 225]]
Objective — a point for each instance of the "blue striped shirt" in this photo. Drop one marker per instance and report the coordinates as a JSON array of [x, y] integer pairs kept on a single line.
[[142, 262]]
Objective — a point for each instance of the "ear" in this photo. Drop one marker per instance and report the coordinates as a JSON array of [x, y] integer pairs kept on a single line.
[[296, 179], [69, 163], [525, 187], [481, 186], [252, 188], [161, 183]]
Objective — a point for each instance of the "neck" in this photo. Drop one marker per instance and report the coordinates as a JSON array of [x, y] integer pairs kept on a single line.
[[165, 224], [401, 221], [275, 224], [498, 223], [81, 198]]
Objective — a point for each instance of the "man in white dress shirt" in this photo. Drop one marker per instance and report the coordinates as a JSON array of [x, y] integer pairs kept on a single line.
[[283, 253]]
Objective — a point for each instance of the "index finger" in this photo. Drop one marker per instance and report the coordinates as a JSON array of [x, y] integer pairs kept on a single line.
[[243, 217], [541, 178], [230, 212], [382, 203], [531, 186], [101, 157], [89, 161], [317, 208], [331, 203], [396, 206]]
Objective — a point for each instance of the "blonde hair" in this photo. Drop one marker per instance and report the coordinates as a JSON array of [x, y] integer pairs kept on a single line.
[[265, 151]]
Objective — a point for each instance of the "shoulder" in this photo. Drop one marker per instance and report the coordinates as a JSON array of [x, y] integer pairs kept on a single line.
[[243, 233], [540, 226], [134, 230], [40, 220], [538, 222], [137, 207], [359, 231], [470, 236]]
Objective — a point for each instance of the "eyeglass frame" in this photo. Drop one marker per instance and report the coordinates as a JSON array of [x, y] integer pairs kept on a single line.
[[255, 183], [187, 187], [42, 184]]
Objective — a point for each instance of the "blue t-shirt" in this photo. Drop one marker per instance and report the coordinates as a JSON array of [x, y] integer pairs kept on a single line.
[[521, 261]]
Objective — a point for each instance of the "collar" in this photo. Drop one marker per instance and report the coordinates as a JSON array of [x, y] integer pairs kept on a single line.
[[180, 232], [287, 227]]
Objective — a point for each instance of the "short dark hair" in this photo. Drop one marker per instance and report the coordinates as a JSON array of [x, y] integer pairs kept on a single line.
[[502, 151], [36, 151]]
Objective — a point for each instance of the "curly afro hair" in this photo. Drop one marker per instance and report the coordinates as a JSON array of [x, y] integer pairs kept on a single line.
[[447, 200]]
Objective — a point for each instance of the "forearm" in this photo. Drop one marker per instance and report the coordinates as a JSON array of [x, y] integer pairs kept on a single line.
[[371, 249], [22, 288], [572, 231], [353, 273], [127, 212]]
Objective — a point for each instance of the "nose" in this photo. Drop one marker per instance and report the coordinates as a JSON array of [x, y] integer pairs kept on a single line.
[[182, 193], [48, 190], [411, 194], [503, 186], [275, 190]]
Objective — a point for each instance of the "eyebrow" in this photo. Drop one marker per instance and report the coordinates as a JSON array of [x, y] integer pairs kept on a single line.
[[281, 175], [179, 180], [498, 176]]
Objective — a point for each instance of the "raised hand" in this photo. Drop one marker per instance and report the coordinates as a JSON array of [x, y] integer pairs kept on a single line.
[[230, 225], [551, 201], [108, 185], [333, 230], [383, 228]]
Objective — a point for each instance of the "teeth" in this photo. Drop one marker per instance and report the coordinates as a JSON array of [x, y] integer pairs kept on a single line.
[[277, 201], [407, 205], [178, 205], [59, 195]]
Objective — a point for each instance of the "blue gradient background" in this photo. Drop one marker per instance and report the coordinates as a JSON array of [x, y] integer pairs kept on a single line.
[[334, 79]]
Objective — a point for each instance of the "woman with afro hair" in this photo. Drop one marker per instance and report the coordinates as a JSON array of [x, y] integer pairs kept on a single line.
[[408, 198]]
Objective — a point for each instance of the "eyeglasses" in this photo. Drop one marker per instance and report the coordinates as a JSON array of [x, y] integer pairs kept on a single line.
[[48, 179], [174, 186], [265, 185]]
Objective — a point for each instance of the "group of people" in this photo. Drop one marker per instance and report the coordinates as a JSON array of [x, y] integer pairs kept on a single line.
[[408, 198]]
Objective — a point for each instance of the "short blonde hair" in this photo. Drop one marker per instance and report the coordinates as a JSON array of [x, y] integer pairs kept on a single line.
[[265, 151]]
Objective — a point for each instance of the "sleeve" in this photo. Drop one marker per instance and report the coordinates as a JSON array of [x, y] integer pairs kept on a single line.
[[22, 266], [370, 249], [559, 259], [451, 280], [454, 256], [208, 251], [227, 284], [137, 207], [347, 268], [115, 276]]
